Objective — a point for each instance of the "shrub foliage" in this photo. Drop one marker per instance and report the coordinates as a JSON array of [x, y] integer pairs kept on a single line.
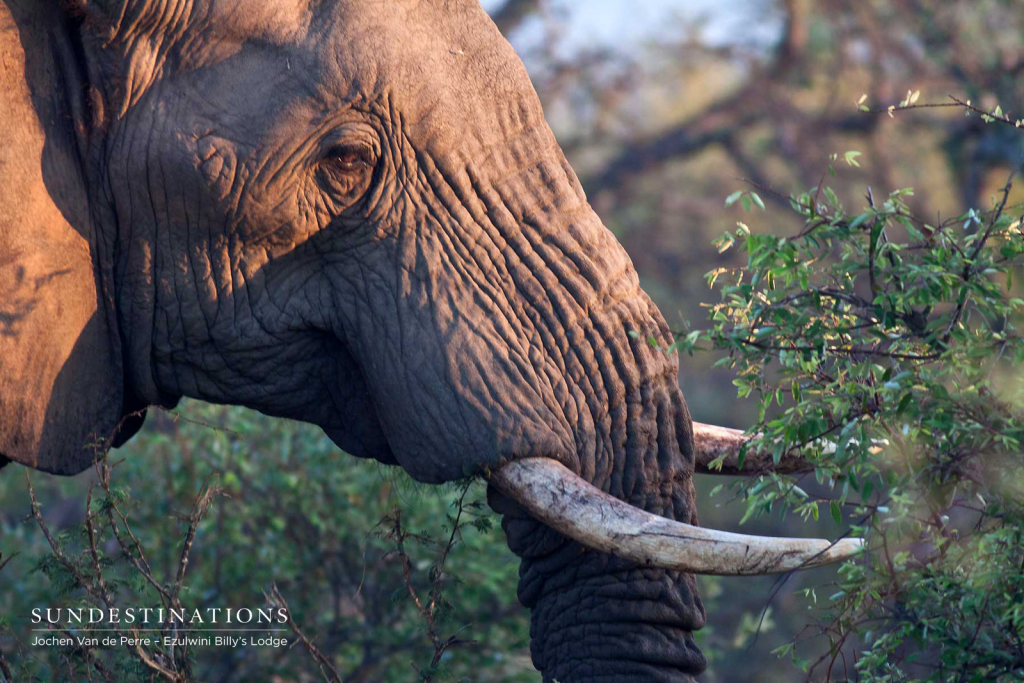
[[886, 347]]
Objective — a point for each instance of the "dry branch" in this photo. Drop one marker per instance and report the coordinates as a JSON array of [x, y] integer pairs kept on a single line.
[[95, 588], [330, 674]]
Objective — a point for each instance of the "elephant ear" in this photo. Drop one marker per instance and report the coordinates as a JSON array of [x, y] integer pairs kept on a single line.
[[61, 376]]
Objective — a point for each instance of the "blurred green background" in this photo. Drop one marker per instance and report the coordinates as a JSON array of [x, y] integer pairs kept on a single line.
[[663, 109]]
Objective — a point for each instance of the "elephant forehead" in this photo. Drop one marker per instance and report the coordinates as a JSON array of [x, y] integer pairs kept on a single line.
[[278, 23], [441, 63]]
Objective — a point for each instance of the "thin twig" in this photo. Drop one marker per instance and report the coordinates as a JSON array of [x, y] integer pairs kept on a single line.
[[9, 558], [199, 509], [330, 674], [91, 588], [5, 670], [970, 266], [956, 103], [135, 553]]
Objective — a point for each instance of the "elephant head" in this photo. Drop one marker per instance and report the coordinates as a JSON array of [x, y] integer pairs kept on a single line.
[[352, 213]]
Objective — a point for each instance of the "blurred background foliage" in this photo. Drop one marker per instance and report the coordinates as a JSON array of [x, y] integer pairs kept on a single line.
[[663, 108], [292, 511]]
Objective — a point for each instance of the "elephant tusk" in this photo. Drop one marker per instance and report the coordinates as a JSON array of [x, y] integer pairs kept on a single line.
[[579, 510], [711, 442]]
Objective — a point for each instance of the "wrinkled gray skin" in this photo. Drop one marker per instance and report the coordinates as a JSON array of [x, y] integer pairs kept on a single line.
[[347, 212]]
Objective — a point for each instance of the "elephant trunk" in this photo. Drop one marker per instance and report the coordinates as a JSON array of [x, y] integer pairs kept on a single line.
[[596, 616]]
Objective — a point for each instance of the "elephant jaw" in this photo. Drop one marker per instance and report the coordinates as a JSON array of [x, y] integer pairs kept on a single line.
[[581, 511]]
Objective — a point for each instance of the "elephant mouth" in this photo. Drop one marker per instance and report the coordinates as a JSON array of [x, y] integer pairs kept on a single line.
[[363, 443]]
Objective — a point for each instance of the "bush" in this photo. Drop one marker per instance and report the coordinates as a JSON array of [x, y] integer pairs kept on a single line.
[[278, 516], [886, 348]]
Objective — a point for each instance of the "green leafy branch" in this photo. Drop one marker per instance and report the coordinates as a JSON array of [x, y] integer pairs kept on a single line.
[[887, 349]]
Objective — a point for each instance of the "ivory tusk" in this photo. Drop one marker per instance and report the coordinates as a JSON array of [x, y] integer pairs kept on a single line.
[[579, 510], [710, 442]]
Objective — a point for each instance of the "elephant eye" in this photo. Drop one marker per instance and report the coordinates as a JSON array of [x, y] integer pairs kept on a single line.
[[345, 172], [350, 158]]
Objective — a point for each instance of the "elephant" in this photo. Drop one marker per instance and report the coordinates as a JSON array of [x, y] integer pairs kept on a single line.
[[352, 213]]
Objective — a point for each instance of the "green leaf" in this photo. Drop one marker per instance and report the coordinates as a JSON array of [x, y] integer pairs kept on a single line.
[[836, 512], [859, 220]]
